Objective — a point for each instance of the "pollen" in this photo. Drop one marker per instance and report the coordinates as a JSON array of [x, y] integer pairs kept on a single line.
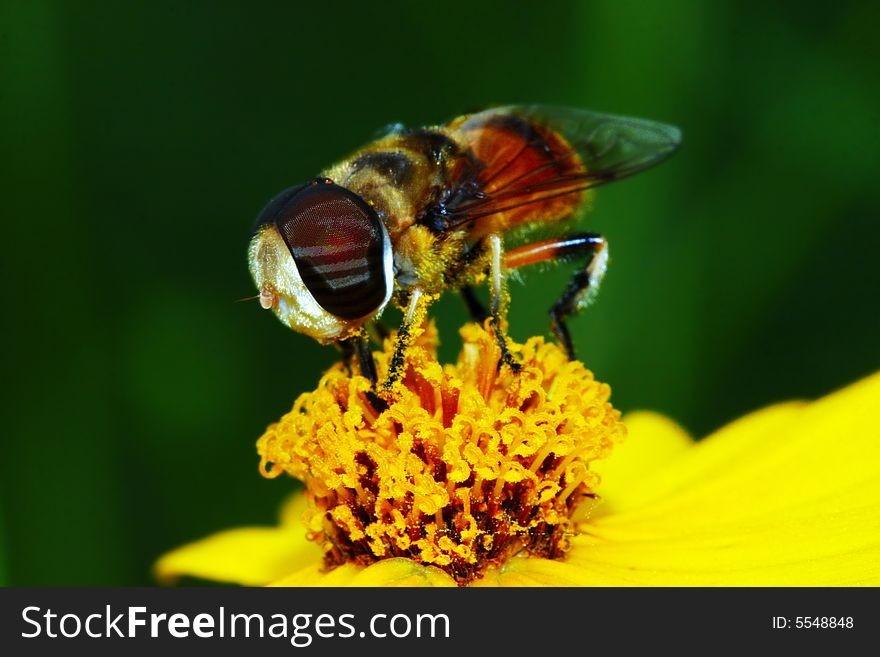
[[469, 464]]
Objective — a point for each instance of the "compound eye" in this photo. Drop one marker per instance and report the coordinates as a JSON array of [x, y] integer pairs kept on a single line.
[[340, 247]]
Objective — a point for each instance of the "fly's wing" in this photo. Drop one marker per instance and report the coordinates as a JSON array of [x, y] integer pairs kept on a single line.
[[534, 163]]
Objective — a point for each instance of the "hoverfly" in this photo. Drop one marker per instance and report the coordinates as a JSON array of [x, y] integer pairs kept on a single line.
[[420, 211]]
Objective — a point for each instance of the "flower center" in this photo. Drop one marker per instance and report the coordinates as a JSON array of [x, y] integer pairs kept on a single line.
[[469, 464]]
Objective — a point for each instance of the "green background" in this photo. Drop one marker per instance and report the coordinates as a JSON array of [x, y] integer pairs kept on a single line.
[[139, 140]]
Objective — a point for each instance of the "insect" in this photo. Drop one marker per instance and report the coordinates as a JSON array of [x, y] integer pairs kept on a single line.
[[421, 211]]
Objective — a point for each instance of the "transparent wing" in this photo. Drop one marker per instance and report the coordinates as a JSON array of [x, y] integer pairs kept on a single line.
[[540, 158], [610, 147]]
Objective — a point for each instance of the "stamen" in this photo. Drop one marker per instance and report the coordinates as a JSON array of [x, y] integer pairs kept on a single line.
[[468, 465]]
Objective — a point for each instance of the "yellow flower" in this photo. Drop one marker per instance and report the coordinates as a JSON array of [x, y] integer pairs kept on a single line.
[[476, 475]]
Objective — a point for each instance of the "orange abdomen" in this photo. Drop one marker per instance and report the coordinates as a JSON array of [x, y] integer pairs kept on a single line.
[[527, 174]]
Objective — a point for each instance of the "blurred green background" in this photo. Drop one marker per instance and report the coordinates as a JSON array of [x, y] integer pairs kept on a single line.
[[139, 140]]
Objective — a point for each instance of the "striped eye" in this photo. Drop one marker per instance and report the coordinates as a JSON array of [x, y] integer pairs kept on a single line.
[[340, 247]]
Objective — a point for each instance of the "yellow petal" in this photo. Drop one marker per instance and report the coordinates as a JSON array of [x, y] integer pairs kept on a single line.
[[652, 441], [528, 571], [396, 572], [292, 510], [788, 496], [252, 556]]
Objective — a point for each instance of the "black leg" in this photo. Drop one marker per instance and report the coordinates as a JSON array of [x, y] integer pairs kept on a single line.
[[497, 290], [581, 288], [566, 305], [412, 318], [358, 348], [471, 262], [365, 358], [346, 348], [506, 357], [477, 312], [584, 283], [398, 356]]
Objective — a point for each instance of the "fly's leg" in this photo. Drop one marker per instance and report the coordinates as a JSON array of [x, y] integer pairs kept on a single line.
[[357, 349], [584, 283], [471, 262], [475, 307], [364, 356], [412, 318], [346, 348], [582, 287], [497, 299]]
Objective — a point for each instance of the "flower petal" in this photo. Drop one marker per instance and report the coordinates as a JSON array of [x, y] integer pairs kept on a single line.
[[787, 496], [529, 571], [252, 556], [292, 510], [398, 572], [652, 441]]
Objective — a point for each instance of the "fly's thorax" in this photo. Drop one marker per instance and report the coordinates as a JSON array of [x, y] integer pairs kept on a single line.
[[436, 262], [281, 286], [398, 175]]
